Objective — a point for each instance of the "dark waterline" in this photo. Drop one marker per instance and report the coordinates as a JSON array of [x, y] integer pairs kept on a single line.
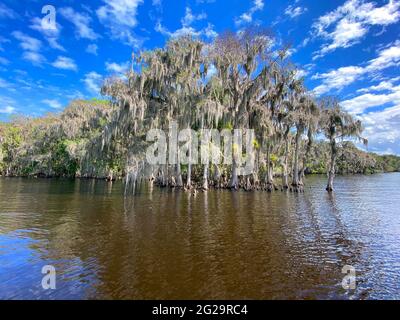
[[218, 245]]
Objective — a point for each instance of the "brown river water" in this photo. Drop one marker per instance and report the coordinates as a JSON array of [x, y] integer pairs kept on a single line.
[[168, 244]]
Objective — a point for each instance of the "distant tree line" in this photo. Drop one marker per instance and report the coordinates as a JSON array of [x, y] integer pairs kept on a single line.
[[238, 81]]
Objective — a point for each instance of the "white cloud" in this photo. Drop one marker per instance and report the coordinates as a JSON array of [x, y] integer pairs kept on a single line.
[[65, 63], [7, 100], [4, 84], [4, 61], [52, 103], [344, 76], [301, 73], [92, 48], [122, 11], [382, 129], [361, 103], [385, 15], [76, 94], [247, 17], [117, 68], [208, 32], [189, 17], [387, 58], [161, 29], [186, 28], [54, 44], [382, 123], [26, 42], [345, 35], [3, 40], [120, 17], [291, 51], [93, 82], [385, 85], [293, 11], [350, 22], [6, 12], [51, 35], [81, 21], [7, 110], [389, 92], [337, 79], [32, 47], [34, 57], [37, 25]]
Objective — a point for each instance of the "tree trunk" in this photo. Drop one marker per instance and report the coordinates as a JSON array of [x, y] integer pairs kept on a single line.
[[110, 176], [271, 175], [305, 158], [234, 183], [331, 175], [189, 176], [296, 180], [331, 172], [285, 178], [255, 180], [179, 182], [189, 173], [302, 175], [167, 175], [269, 179], [296, 161], [217, 176], [205, 177]]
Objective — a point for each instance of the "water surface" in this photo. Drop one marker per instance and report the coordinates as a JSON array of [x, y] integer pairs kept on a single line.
[[165, 244]]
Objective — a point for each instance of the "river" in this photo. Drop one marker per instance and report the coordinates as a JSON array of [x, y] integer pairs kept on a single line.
[[168, 244]]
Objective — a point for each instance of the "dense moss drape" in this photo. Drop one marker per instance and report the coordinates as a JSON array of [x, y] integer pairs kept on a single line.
[[240, 81]]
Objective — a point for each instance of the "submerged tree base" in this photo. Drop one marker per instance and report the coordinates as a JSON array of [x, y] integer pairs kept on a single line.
[[299, 187], [243, 184]]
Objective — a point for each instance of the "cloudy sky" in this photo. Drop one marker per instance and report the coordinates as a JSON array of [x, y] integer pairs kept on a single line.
[[350, 49]]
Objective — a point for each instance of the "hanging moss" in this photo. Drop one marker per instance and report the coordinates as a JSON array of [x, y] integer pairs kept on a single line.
[[251, 87]]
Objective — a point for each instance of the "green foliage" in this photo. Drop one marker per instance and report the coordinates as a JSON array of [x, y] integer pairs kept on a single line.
[[256, 144], [58, 145], [387, 163], [273, 158], [350, 160], [11, 138], [61, 162]]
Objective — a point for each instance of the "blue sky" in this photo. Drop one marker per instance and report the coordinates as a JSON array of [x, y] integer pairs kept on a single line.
[[350, 49]]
